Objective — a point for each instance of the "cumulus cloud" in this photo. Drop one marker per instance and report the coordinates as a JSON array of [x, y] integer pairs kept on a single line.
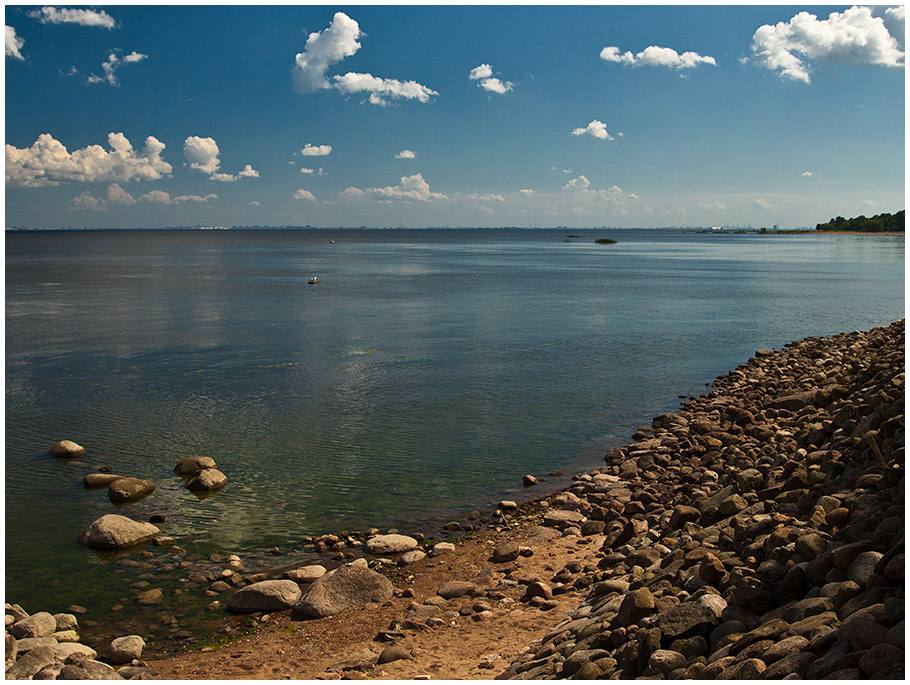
[[405, 154], [87, 201], [762, 203], [112, 65], [323, 49], [853, 37], [161, 197], [526, 191], [596, 128], [14, 44], [119, 196], [808, 174], [380, 89], [654, 56], [304, 195], [53, 15], [578, 183], [202, 154], [316, 150], [332, 45], [48, 163], [713, 206], [410, 188], [314, 172], [484, 74]]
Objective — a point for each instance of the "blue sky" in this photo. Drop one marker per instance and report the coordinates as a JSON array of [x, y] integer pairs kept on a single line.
[[635, 116]]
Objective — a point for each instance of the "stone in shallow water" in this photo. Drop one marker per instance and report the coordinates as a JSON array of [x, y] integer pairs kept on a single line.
[[113, 531], [129, 489], [67, 449], [206, 480], [190, 465]]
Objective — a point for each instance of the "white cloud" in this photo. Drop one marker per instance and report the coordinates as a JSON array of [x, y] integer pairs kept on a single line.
[[762, 203], [304, 195], [161, 197], [119, 196], [86, 200], [254, 203], [526, 191], [894, 22], [411, 188], [382, 88], [248, 172], [314, 172], [484, 73], [332, 45], [316, 150], [808, 174], [223, 178], [852, 37], [194, 198], [14, 44], [654, 56], [112, 65], [48, 163], [871, 203], [324, 48], [52, 15], [490, 197], [202, 154], [713, 206], [596, 128], [351, 191], [405, 154], [578, 183]]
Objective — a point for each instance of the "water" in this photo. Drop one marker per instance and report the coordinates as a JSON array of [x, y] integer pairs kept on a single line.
[[422, 379]]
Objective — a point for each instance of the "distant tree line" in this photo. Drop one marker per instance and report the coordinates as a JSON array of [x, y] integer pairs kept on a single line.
[[880, 223]]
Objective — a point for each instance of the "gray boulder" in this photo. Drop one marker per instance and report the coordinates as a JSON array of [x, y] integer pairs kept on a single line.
[[29, 664], [129, 489], [41, 624], [113, 531], [390, 544], [205, 480], [66, 650], [190, 465], [266, 595], [88, 669], [348, 587], [125, 649], [67, 449]]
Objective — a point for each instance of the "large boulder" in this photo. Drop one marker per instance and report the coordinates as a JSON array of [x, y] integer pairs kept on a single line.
[[67, 449], [205, 480], [390, 544], [125, 649], [266, 595], [40, 624], [348, 587], [190, 465], [129, 489], [113, 531]]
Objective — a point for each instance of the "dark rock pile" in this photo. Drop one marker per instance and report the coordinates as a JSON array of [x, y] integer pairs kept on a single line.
[[756, 533]]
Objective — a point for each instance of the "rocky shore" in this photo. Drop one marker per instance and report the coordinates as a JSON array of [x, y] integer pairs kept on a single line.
[[758, 532]]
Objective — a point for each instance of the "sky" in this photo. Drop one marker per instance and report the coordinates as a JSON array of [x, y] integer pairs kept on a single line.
[[430, 116]]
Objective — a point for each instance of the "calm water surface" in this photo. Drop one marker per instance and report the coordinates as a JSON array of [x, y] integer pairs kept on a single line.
[[423, 378]]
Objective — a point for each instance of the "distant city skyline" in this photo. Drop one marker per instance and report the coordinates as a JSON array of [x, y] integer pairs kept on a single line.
[[431, 116]]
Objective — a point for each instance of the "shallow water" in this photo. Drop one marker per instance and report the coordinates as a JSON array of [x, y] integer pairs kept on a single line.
[[426, 374]]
